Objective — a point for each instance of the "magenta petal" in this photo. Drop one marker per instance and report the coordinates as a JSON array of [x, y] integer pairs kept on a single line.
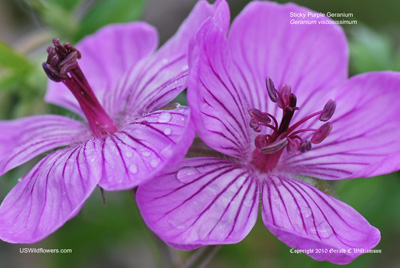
[[144, 147], [309, 58], [305, 218], [164, 75], [23, 139], [200, 201], [218, 109], [106, 56], [50, 194], [364, 141]]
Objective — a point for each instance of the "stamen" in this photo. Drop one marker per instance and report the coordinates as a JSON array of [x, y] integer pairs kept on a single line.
[[284, 94], [275, 147], [262, 117], [271, 90], [328, 111], [305, 146], [321, 133]]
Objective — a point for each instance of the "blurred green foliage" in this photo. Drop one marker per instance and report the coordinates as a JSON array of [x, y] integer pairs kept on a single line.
[[372, 51], [75, 19]]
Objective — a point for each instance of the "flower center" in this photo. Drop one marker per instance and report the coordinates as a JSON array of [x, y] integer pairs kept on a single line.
[[62, 66], [269, 147]]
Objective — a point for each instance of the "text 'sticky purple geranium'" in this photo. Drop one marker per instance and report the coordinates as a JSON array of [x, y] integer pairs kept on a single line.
[[273, 98], [119, 84]]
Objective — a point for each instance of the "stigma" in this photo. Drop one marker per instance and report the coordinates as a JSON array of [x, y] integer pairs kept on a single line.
[[62, 66], [286, 134]]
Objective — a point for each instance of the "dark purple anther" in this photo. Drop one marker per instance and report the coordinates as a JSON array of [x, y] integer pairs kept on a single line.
[[261, 117], [51, 73], [271, 89], [305, 146], [255, 124], [328, 111], [321, 133]]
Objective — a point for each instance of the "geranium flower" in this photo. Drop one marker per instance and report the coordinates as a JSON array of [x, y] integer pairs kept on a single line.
[[125, 139], [265, 97]]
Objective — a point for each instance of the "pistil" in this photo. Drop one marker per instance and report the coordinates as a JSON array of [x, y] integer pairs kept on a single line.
[[62, 66]]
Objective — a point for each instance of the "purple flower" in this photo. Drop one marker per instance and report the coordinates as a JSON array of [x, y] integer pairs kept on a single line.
[[119, 88], [273, 99]]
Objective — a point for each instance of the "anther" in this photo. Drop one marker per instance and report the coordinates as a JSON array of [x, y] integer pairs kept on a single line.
[[284, 96], [271, 89], [321, 133], [305, 146], [255, 124], [275, 146], [260, 116], [328, 111]]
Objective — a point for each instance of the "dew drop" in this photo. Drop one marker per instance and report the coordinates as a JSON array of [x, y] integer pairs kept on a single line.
[[128, 154], [305, 211], [154, 162], [133, 169], [92, 160], [167, 131], [164, 118], [184, 174], [324, 230], [146, 153]]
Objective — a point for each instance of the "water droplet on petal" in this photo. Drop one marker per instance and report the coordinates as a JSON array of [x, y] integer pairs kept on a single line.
[[324, 230], [133, 168], [164, 117], [185, 174], [305, 211], [167, 131], [312, 230], [154, 162], [92, 160], [146, 153], [128, 154]]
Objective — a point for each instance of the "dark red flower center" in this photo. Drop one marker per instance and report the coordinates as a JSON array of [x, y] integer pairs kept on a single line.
[[269, 147], [62, 66]]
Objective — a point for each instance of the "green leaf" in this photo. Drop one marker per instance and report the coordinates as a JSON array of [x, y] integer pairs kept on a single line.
[[10, 59], [106, 11]]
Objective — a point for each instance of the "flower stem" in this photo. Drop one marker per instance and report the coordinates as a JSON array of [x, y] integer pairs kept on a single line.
[[201, 257], [169, 258]]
